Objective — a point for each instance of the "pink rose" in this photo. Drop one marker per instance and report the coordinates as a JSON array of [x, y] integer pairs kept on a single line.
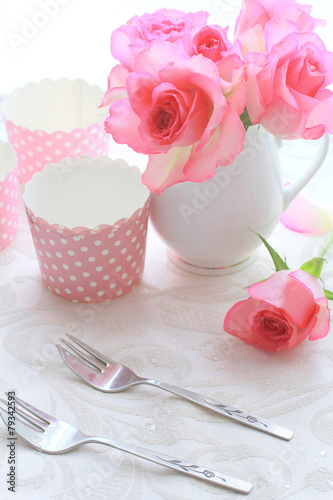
[[281, 312], [210, 41], [256, 14], [260, 12], [167, 25], [286, 88], [175, 112]]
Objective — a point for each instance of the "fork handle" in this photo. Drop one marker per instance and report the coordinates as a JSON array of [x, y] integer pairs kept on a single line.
[[223, 409], [179, 465]]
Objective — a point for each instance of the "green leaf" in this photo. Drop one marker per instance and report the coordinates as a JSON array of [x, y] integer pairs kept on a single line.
[[245, 118], [314, 266], [280, 264], [328, 294]]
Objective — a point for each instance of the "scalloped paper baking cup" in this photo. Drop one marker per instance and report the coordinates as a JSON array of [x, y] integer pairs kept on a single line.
[[8, 195], [51, 120], [89, 227]]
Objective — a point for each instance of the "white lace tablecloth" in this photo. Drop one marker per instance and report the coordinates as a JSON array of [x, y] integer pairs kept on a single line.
[[169, 328]]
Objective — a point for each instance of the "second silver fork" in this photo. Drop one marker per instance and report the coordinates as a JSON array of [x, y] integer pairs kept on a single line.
[[107, 375], [51, 435]]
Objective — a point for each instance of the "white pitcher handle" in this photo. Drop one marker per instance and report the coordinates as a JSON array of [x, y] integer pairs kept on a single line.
[[290, 191]]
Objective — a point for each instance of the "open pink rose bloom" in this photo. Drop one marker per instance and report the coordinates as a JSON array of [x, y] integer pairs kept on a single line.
[[286, 88], [281, 312], [182, 86]]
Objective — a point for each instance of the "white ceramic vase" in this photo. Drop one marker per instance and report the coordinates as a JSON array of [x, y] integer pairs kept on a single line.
[[210, 227]]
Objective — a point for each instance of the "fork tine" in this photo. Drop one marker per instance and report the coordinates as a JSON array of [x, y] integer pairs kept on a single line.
[[35, 411], [76, 365], [98, 355], [22, 429], [31, 420], [82, 355]]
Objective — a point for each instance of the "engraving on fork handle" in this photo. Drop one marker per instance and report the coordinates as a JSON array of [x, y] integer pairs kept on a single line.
[[182, 466], [228, 411]]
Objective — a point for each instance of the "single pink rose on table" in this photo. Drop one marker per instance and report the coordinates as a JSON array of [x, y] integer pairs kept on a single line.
[[175, 112], [281, 312], [286, 89], [167, 25]]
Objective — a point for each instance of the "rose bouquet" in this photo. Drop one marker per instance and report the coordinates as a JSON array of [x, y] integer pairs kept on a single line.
[[185, 94]]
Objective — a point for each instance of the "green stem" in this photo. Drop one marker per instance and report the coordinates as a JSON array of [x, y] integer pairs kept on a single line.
[[323, 250]]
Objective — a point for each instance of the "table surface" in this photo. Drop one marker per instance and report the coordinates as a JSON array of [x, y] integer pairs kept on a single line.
[[170, 328]]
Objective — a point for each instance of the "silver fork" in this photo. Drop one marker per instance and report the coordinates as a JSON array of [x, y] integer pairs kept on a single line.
[[107, 375], [51, 435]]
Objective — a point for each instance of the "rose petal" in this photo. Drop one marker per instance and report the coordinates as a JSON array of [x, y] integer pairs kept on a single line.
[[311, 283], [284, 121], [260, 12], [118, 76], [322, 326], [217, 105], [252, 40], [258, 71], [225, 144], [195, 123], [113, 95], [140, 87], [276, 29], [201, 74], [233, 85], [322, 115], [304, 102], [236, 321], [164, 170], [210, 41], [121, 48], [240, 321], [122, 123], [252, 14], [158, 55], [116, 86], [306, 216], [192, 116], [235, 94], [285, 292], [282, 89]]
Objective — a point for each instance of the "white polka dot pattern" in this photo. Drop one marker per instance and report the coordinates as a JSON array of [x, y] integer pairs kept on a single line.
[[8, 209], [83, 265], [34, 149]]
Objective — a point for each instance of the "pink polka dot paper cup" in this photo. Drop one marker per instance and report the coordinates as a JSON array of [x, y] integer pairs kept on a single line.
[[8, 195], [89, 227], [51, 120]]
